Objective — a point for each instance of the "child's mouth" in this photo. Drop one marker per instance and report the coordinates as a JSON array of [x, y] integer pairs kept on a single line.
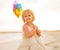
[[28, 18]]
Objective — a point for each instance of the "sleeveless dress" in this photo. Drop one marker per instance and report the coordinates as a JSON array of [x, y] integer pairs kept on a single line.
[[32, 43]]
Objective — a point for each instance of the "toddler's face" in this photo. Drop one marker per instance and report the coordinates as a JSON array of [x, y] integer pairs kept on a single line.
[[28, 17]]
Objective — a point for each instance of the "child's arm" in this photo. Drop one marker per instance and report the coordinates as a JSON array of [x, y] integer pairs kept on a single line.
[[38, 32], [28, 33]]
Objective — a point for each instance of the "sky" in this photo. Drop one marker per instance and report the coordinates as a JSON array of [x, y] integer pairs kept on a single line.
[[47, 14]]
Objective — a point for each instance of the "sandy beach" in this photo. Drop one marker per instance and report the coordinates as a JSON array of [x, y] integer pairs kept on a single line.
[[11, 41]]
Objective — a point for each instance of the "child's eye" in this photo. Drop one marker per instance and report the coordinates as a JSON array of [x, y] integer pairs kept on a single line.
[[28, 15], [25, 16]]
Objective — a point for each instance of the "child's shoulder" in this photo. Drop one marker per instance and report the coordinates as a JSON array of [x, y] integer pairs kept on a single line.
[[24, 26], [35, 25]]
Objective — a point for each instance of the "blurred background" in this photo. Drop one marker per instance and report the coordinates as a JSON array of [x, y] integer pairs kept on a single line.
[[47, 14]]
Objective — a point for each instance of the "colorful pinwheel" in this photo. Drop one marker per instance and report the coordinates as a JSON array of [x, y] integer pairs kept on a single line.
[[17, 9]]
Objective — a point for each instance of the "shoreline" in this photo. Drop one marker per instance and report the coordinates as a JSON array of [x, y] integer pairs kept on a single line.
[[21, 31]]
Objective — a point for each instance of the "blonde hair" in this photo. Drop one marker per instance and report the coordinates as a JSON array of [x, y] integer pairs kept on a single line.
[[28, 11]]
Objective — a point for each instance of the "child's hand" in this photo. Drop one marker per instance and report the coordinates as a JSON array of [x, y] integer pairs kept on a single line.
[[33, 31], [38, 32]]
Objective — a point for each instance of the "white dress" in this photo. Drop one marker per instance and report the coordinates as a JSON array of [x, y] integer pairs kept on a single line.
[[32, 43]]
